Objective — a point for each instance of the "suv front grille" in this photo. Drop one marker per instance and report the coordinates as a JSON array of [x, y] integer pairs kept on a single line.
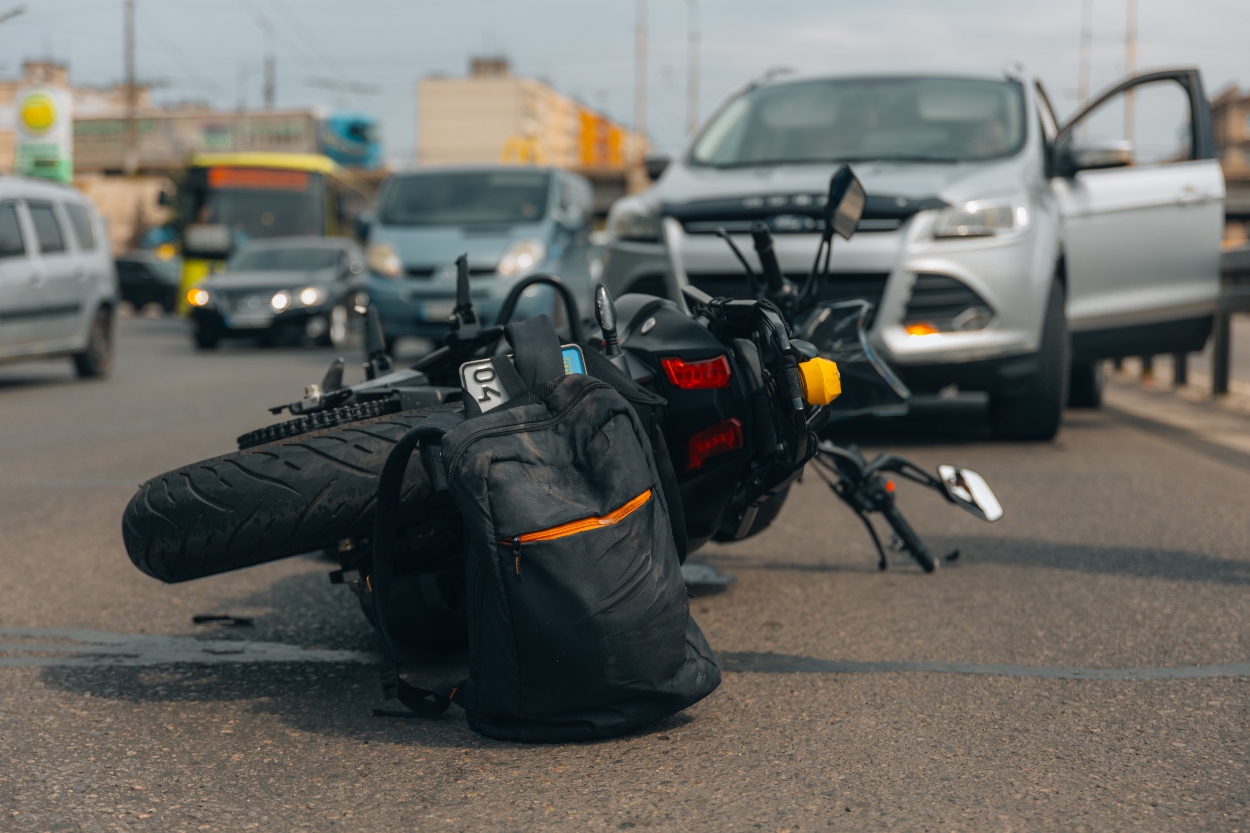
[[839, 286]]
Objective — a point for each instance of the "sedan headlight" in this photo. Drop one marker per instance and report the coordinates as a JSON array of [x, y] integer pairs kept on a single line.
[[634, 224], [280, 301], [383, 260], [983, 218], [522, 258], [310, 296], [199, 297]]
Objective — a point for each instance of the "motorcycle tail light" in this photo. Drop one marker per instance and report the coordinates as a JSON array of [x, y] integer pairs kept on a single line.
[[725, 435], [698, 375]]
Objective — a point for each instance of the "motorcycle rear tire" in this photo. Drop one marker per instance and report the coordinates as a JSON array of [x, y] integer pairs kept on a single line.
[[276, 500]]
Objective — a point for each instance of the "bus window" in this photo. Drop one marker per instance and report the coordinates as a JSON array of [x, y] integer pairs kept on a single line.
[[256, 202]]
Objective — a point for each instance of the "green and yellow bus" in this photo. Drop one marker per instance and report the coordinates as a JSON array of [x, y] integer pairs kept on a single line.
[[226, 199]]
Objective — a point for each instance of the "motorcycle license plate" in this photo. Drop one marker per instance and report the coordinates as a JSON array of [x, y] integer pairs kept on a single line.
[[478, 378], [249, 320]]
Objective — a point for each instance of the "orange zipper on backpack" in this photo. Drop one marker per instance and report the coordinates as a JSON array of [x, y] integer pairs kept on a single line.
[[573, 528]]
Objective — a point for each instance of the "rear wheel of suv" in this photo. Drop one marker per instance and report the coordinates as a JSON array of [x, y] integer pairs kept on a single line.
[[1085, 388], [96, 359], [1035, 414]]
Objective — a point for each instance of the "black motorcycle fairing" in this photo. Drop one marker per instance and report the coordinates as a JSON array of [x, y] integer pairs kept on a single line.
[[670, 333]]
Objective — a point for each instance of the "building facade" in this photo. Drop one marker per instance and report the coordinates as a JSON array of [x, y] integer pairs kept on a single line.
[[492, 116]]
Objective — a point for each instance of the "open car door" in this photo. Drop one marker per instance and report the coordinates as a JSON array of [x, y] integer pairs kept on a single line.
[[1141, 197]]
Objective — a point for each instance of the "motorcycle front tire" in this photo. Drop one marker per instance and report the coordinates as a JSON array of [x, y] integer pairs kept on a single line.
[[284, 498]]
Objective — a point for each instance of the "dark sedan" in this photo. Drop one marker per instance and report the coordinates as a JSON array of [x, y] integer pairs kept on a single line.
[[145, 278], [294, 288]]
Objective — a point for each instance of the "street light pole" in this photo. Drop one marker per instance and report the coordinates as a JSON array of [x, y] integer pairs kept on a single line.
[[692, 69], [130, 158], [1130, 66], [640, 85], [1087, 33]]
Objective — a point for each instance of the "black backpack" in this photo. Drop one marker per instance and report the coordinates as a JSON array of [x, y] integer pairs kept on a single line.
[[579, 620]]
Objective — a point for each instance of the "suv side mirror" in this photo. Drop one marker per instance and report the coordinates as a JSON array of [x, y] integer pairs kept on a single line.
[[655, 166], [1072, 155]]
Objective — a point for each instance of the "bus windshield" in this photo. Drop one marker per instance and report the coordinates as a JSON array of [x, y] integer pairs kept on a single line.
[[466, 198], [256, 202], [920, 119]]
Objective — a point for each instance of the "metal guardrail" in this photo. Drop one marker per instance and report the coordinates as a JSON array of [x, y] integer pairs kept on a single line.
[[1234, 297]]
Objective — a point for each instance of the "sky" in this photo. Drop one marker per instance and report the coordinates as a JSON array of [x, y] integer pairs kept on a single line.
[[585, 48]]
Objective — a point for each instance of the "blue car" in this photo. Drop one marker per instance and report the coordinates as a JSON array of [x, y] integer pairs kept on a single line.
[[512, 222]]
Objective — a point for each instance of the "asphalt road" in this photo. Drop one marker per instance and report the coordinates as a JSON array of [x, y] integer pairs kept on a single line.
[[1084, 665]]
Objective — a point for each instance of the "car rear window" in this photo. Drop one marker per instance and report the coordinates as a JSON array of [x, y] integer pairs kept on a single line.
[[11, 243], [80, 219], [47, 229]]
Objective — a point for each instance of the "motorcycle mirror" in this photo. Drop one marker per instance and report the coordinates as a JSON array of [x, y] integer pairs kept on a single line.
[[970, 491], [845, 204], [605, 312]]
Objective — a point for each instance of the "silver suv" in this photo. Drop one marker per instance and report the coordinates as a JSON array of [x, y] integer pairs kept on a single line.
[[1004, 252], [58, 285]]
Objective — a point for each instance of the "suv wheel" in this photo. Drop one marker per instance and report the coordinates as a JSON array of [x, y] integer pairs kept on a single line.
[[1085, 389], [97, 358], [1035, 415]]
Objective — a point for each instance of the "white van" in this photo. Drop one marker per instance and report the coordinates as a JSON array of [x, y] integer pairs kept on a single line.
[[58, 284]]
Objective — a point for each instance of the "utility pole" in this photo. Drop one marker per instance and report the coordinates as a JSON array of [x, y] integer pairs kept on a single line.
[[1130, 66], [1087, 33], [271, 72], [692, 69], [130, 158], [640, 86]]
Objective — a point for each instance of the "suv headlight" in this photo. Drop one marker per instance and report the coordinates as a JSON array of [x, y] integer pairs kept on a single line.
[[384, 261], [983, 218], [634, 224], [522, 258]]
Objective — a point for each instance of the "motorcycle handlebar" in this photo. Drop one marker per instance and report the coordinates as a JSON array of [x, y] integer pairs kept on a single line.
[[911, 541], [763, 241]]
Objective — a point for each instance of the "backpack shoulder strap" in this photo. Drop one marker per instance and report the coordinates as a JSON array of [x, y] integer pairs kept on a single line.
[[536, 349], [385, 528]]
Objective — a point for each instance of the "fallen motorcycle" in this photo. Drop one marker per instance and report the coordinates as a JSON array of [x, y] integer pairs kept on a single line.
[[748, 395]]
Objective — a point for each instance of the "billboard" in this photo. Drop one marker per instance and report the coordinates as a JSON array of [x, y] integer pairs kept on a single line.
[[44, 121]]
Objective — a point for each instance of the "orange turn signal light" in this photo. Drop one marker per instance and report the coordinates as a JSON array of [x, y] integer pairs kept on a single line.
[[921, 329]]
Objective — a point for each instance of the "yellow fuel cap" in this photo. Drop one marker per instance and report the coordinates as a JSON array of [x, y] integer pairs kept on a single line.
[[820, 380]]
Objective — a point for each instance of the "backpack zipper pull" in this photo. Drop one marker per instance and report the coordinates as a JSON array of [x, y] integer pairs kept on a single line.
[[516, 556]]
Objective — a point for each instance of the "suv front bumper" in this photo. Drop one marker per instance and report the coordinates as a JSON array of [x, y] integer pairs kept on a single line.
[[1012, 276]]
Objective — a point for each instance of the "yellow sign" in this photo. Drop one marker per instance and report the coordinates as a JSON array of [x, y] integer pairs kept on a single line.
[[38, 112]]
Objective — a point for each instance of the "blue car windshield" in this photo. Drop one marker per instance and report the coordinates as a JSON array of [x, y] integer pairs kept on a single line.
[[466, 198], [920, 119]]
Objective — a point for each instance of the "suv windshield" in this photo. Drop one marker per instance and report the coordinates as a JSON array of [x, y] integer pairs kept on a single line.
[[305, 259], [849, 119], [466, 198]]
